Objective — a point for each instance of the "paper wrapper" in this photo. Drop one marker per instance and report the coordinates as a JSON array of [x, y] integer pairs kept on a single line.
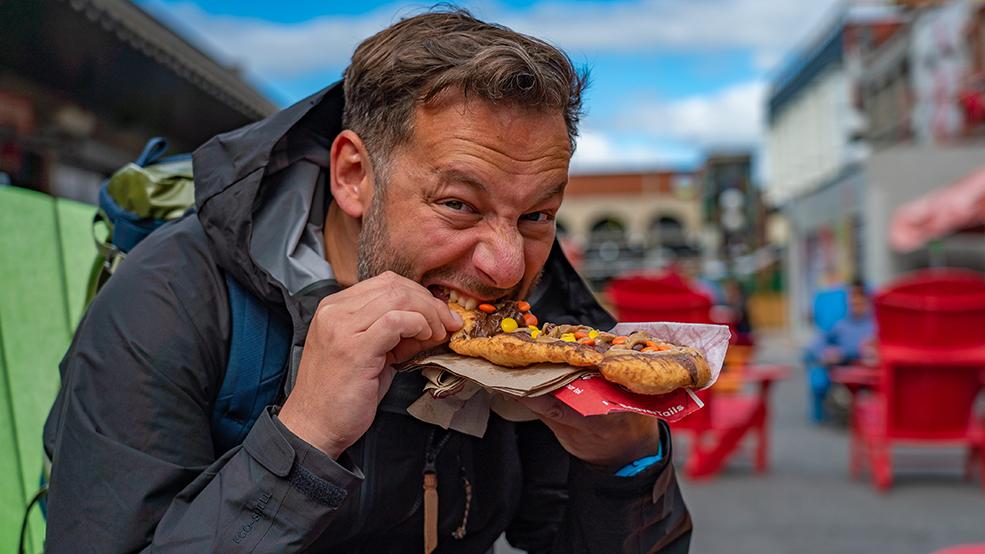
[[461, 390], [593, 395]]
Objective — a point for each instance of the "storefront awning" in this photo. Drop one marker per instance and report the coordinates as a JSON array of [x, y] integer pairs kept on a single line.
[[939, 213]]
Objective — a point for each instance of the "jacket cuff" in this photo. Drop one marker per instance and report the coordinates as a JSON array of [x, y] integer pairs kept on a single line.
[[310, 471], [604, 481]]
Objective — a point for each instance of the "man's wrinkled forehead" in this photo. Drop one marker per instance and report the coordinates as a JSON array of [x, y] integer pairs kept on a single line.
[[486, 121]]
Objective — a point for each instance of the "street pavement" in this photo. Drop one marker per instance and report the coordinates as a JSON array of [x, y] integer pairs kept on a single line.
[[807, 503]]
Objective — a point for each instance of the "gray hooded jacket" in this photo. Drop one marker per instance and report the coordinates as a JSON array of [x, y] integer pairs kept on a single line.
[[134, 467]]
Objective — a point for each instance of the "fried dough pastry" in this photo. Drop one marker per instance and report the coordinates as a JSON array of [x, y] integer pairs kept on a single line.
[[640, 362]]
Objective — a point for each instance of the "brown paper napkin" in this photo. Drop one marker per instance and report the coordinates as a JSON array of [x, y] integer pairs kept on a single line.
[[534, 380], [454, 402]]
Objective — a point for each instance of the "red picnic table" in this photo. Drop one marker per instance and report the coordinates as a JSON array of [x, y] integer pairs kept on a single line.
[[717, 430]]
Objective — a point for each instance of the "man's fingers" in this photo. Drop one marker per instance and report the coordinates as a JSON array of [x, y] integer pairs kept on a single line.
[[368, 300], [557, 414], [388, 330], [451, 320], [394, 283], [552, 410], [408, 348], [383, 302]]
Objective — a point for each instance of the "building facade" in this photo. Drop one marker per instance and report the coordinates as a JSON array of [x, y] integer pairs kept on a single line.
[[85, 83], [620, 222], [815, 145], [911, 85]]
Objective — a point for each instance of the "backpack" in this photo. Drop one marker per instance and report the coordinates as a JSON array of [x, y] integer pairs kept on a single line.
[[136, 200], [141, 197]]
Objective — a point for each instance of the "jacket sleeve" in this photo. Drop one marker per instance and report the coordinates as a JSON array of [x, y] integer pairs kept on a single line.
[[643, 513], [585, 509], [130, 438]]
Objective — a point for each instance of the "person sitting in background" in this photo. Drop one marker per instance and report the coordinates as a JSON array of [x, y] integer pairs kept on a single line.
[[850, 341]]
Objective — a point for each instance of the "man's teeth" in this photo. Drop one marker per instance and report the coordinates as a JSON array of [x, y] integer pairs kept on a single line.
[[462, 299]]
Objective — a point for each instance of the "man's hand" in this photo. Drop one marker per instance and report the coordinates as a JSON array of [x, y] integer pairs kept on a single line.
[[354, 339], [611, 440]]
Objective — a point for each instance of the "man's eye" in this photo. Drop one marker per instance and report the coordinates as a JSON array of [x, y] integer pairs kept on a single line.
[[537, 217], [456, 205]]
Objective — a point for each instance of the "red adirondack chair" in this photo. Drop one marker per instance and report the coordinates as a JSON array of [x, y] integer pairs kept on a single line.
[[657, 297], [931, 334], [717, 430]]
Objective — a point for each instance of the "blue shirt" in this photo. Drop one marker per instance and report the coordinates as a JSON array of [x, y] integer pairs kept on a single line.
[[847, 335]]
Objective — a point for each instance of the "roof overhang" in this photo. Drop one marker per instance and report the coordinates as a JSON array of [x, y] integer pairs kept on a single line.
[[115, 60]]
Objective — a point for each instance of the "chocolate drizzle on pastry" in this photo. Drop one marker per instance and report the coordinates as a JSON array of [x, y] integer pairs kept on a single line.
[[491, 324]]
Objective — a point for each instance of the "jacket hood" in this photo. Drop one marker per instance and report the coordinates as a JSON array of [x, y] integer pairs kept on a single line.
[[261, 196]]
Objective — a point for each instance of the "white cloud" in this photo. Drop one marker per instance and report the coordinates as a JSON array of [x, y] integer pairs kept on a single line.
[[274, 50], [726, 118], [653, 133], [764, 26], [767, 28], [601, 151]]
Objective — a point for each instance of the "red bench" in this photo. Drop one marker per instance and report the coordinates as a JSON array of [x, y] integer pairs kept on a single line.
[[718, 429]]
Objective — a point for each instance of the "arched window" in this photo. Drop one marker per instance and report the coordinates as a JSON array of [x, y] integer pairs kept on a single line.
[[608, 229], [667, 230]]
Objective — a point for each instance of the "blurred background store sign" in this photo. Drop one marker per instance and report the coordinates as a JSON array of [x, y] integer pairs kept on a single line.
[[941, 65]]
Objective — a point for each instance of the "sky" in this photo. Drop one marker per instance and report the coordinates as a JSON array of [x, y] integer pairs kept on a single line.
[[672, 80]]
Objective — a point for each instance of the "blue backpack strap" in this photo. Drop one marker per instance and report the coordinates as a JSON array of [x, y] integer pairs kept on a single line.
[[153, 150], [128, 228], [258, 354]]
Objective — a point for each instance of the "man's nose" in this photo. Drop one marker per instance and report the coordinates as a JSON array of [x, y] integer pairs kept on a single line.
[[499, 256]]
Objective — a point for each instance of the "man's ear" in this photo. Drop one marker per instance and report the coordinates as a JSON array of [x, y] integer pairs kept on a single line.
[[351, 174]]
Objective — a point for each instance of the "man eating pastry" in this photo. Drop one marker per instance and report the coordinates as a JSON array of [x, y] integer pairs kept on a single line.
[[434, 169]]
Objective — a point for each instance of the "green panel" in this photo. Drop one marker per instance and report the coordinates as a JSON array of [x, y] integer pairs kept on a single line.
[[33, 320], [78, 251], [11, 488]]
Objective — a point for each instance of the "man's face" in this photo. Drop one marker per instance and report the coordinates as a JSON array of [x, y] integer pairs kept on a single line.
[[469, 201]]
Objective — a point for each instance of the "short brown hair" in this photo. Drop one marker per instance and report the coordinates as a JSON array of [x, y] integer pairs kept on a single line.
[[414, 60]]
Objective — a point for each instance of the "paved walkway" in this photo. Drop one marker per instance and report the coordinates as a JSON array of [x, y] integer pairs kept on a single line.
[[807, 503]]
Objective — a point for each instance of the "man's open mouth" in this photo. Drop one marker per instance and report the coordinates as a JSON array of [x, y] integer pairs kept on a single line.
[[452, 295]]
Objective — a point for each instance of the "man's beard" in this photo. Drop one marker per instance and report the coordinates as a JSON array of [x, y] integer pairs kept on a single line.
[[377, 255]]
